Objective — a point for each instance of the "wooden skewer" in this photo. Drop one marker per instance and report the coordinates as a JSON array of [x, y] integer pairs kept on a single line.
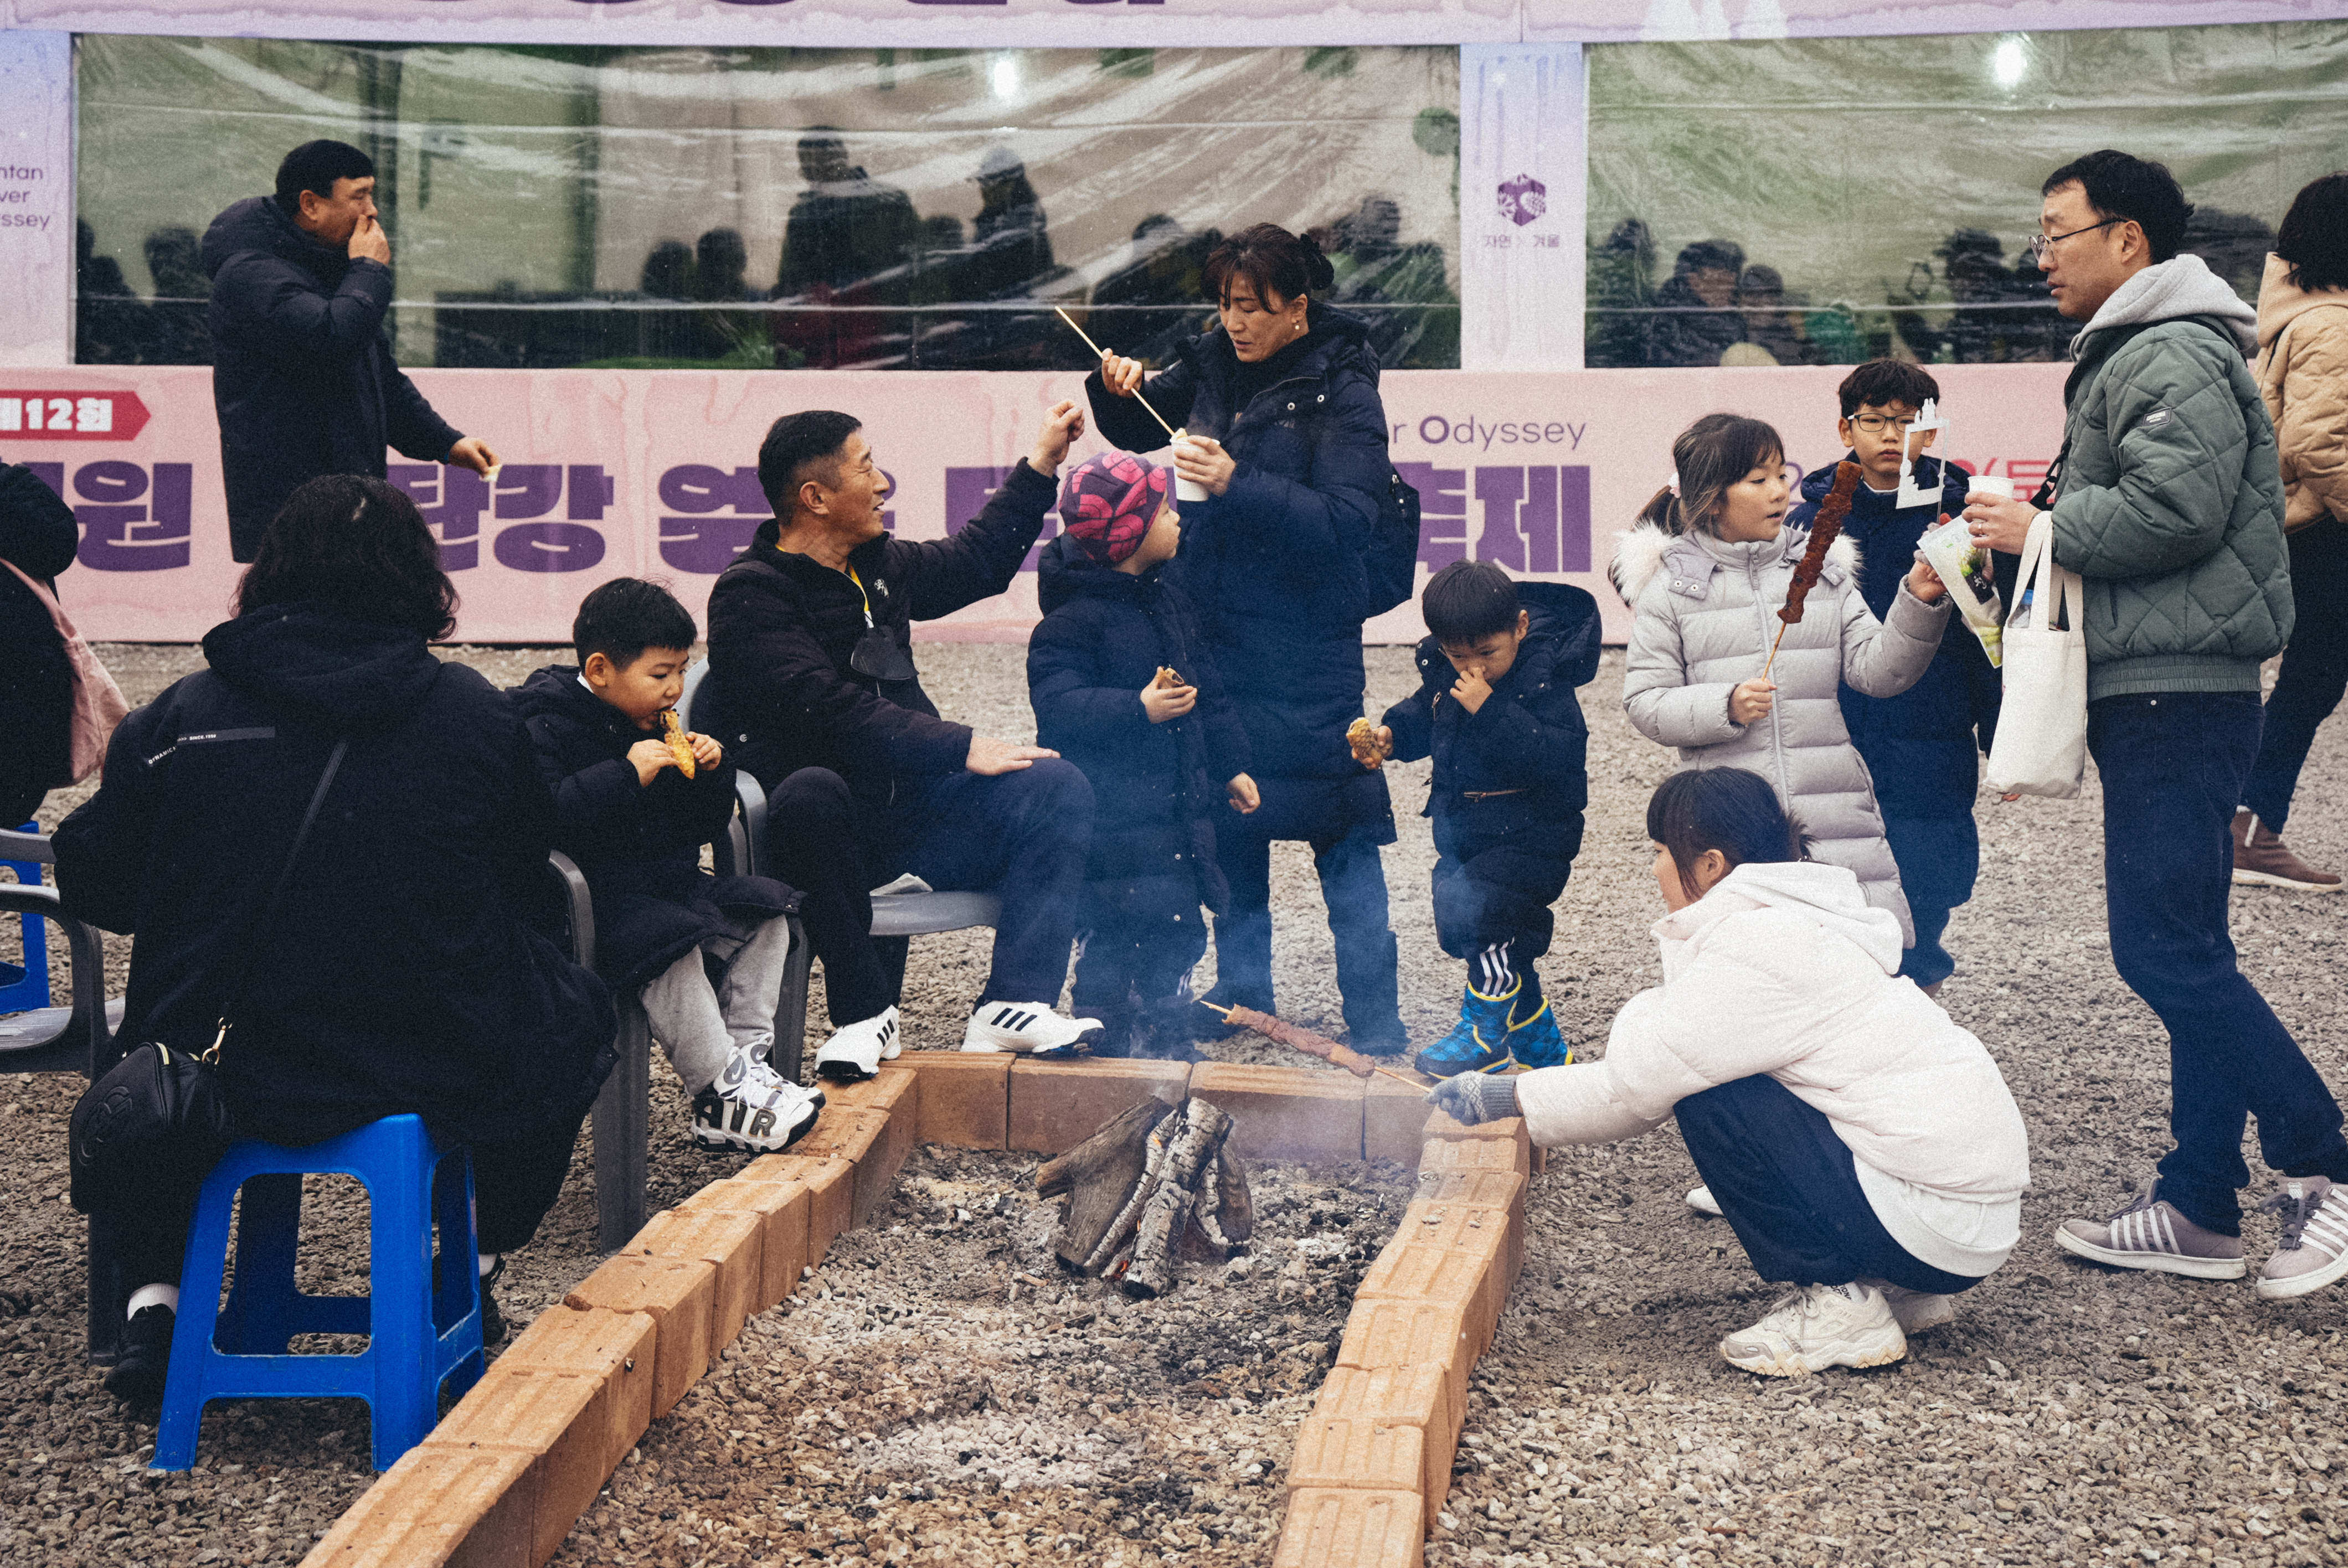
[[1102, 353], [1226, 1013], [1773, 650]]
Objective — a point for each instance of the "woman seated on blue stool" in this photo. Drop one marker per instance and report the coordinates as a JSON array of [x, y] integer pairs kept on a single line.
[[397, 974]]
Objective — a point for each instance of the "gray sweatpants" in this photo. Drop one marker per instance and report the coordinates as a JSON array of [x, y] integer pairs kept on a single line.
[[700, 1024]]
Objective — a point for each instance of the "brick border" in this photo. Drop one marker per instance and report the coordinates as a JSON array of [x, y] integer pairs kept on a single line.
[[502, 1479]]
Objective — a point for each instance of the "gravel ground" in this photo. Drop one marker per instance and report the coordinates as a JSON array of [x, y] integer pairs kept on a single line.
[[2068, 1415]]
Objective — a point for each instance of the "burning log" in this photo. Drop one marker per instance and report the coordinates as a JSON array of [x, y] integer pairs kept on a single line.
[[1153, 1185]]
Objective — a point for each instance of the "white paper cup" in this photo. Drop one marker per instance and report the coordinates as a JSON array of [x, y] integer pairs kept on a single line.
[[1996, 485], [1184, 489]]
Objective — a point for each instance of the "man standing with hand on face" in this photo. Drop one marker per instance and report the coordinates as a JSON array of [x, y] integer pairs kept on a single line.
[[2168, 502], [302, 377]]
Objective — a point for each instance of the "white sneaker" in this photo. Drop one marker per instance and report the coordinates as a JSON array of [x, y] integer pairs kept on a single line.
[[1031, 1028], [1701, 1200], [753, 1109], [1917, 1310], [1815, 1327], [2313, 1251], [857, 1050]]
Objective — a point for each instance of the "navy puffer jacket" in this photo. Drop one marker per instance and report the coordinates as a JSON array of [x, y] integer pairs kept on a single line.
[[1922, 744], [639, 844], [302, 377], [1159, 789], [1275, 563], [1529, 737]]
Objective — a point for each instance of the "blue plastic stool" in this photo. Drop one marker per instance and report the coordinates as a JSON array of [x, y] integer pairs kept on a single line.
[[29, 989], [417, 1336]]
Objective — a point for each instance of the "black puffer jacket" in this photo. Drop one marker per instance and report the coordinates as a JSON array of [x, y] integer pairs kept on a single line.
[[37, 536], [640, 844], [302, 377], [1275, 564], [782, 628], [1160, 788], [1529, 735], [399, 974]]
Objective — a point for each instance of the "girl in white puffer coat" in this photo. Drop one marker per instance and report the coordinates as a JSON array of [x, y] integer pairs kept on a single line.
[[1864, 1147], [1707, 569]]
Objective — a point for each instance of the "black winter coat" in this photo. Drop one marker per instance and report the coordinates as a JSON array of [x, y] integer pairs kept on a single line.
[[1528, 736], [1921, 746], [39, 537], [399, 974], [1275, 564], [1162, 787], [302, 377], [639, 844], [782, 627]]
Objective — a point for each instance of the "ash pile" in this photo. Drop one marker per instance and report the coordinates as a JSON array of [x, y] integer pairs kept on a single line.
[[1157, 1184]]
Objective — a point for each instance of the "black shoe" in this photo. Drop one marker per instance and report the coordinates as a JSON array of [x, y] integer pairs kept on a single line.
[[493, 1322], [138, 1376]]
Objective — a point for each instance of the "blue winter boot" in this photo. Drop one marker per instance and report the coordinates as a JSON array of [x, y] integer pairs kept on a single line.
[[1478, 1041], [1534, 1039]]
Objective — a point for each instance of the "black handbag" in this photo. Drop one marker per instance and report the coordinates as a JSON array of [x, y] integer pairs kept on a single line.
[[157, 1120]]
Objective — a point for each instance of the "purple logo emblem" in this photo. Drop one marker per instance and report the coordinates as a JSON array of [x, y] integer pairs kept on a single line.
[[1523, 199]]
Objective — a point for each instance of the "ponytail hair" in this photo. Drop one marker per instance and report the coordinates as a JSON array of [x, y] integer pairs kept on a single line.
[[1273, 261], [1710, 456], [1732, 810]]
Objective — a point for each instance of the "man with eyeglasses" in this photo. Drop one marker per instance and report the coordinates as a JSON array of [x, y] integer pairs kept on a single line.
[[812, 682], [2168, 501]]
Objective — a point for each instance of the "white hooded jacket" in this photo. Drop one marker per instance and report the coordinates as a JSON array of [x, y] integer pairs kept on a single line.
[[1785, 969]]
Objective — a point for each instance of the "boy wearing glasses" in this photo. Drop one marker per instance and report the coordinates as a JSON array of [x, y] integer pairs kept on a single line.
[[1921, 744]]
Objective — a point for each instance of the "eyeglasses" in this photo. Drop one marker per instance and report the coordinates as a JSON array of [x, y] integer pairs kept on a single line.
[[1876, 423], [2042, 243]]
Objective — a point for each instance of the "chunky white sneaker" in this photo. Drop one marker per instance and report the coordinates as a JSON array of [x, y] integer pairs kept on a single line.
[[1917, 1310], [753, 1109], [1815, 1327], [1031, 1028], [2150, 1234], [856, 1051], [2313, 1251], [1701, 1200]]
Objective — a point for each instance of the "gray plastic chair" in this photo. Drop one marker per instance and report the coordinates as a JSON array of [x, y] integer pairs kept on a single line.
[[77, 1038], [896, 917]]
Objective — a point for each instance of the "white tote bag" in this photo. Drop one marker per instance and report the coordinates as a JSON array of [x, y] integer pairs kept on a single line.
[[2041, 727]]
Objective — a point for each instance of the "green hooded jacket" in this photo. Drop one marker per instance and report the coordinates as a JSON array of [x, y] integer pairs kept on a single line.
[[2170, 501]]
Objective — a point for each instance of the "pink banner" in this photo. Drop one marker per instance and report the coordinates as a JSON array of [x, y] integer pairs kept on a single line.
[[654, 473]]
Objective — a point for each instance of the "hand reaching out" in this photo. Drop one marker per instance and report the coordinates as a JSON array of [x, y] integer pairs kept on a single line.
[[1925, 583], [473, 453], [1063, 423], [1245, 797]]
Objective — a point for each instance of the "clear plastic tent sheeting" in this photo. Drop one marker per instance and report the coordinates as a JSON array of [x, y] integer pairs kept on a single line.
[[761, 208]]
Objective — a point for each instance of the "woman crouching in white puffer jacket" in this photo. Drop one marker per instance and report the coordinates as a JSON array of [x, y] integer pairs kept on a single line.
[[1863, 1146]]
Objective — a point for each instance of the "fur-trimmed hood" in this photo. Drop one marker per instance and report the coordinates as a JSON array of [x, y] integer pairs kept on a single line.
[[1639, 554]]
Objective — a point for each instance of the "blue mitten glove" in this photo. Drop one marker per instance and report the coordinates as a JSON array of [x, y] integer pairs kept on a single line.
[[1474, 1097]]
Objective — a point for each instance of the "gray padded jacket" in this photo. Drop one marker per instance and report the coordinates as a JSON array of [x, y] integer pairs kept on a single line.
[[2170, 502], [1706, 613]]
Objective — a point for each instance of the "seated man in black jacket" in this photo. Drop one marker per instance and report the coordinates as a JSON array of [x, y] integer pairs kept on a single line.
[[302, 377], [811, 672]]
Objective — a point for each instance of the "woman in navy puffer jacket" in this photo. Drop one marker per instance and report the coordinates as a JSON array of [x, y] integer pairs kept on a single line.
[[1289, 442]]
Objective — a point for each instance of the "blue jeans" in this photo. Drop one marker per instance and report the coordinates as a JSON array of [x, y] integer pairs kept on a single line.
[[1789, 1187], [2173, 767], [2314, 668], [1928, 963]]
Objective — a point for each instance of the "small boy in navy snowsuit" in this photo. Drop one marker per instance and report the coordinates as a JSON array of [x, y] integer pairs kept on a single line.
[[1495, 709], [1123, 688], [1920, 745]]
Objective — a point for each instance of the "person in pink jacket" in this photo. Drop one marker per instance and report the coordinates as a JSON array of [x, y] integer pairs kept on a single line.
[[1863, 1146]]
